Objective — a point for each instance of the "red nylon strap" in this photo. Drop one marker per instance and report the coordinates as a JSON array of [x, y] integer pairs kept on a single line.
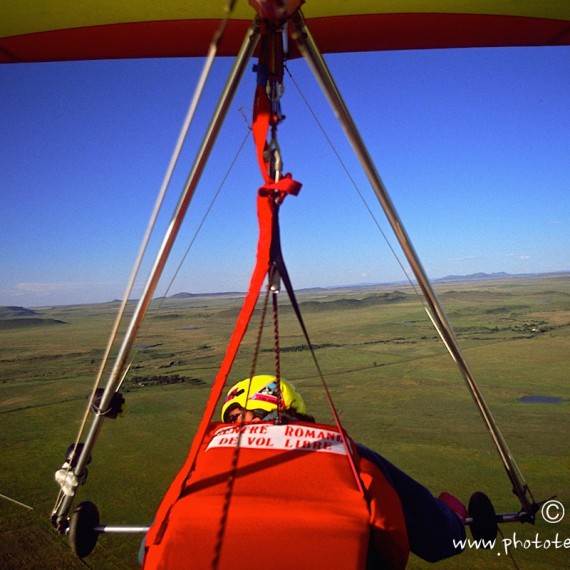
[[278, 190], [263, 118], [265, 217], [269, 197]]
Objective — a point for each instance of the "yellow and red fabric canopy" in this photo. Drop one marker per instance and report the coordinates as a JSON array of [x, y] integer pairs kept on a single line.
[[59, 30]]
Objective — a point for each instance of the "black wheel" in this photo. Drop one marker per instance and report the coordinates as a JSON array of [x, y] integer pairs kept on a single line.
[[82, 535], [484, 525]]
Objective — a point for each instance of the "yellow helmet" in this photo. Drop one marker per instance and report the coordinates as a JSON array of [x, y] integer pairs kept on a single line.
[[262, 393]]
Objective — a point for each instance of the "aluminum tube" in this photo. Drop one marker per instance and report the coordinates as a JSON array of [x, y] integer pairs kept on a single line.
[[242, 60], [503, 518], [121, 529], [314, 58]]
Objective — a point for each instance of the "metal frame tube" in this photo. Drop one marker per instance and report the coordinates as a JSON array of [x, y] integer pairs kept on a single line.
[[242, 60], [503, 518], [121, 529], [136, 529], [315, 60]]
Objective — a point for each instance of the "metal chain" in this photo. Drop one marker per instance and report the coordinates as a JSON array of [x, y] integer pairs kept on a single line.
[[259, 335], [277, 350]]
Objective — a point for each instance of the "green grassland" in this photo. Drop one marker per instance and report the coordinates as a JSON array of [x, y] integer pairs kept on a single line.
[[392, 381]]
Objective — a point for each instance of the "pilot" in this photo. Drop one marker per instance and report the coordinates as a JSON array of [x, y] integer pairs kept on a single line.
[[433, 525]]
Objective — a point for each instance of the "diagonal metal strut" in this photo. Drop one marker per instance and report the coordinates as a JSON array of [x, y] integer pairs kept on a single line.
[[242, 60], [315, 60]]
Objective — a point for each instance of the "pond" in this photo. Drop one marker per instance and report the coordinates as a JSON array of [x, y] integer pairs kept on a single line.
[[538, 399]]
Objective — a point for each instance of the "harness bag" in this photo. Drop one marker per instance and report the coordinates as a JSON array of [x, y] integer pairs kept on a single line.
[[282, 495]]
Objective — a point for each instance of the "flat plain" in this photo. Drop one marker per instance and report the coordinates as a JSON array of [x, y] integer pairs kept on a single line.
[[393, 383]]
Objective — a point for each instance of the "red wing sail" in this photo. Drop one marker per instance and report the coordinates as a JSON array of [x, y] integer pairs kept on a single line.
[[53, 30]]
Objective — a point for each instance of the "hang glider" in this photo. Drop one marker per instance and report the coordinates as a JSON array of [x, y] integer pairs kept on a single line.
[[55, 30]]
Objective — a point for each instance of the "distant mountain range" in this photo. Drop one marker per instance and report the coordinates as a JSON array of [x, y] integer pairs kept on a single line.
[[499, 275], [26, 315], [480, 276]]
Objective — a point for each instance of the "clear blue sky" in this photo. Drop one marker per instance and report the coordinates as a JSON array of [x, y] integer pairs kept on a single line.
[[473, 146]]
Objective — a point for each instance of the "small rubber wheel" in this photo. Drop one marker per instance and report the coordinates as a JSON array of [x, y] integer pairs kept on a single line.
[[484, 525], [82, 535]]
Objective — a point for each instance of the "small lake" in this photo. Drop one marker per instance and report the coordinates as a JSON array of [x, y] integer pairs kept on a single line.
[[537, 399]]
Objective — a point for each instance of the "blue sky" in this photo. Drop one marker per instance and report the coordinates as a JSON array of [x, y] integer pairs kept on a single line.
[[473, 146]]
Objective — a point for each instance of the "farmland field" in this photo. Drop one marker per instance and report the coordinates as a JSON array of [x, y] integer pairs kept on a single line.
[[392, 381]]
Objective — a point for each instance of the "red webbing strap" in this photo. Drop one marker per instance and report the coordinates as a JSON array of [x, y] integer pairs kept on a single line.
[[268, 199], [265, 217], [265, 214]]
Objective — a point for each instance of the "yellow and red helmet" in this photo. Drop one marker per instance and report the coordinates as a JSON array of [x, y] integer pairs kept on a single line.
[[263, 392]]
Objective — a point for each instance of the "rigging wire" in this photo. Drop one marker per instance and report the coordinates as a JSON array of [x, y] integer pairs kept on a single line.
[[194, 237], [372, 216], [284, 275], [16, 502], [317, 64], [509, 550], [204, 218], [353, 182], [371, 213]]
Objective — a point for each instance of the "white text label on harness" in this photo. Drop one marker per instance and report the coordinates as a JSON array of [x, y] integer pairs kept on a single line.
[[279, 437]]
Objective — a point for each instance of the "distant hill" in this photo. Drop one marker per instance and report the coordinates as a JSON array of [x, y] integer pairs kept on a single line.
[[18, 317], [28, 322], [338, 304], [16, 312], [477, 277], [498, 275], [377, 299], [193, 295]]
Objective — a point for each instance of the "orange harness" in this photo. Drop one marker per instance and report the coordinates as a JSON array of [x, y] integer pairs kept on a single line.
[[281, 494]]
